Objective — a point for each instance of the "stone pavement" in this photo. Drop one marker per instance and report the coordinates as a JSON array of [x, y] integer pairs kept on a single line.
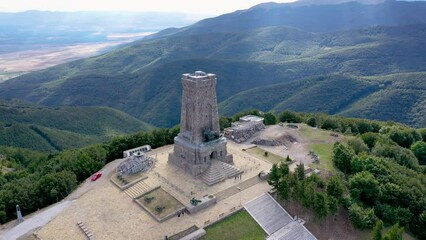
[[111, 214]]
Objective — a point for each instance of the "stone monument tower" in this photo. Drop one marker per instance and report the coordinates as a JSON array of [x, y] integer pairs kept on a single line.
[[199, 144]]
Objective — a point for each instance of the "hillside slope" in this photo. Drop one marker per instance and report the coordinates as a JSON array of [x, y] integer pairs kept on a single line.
[[395, 97], [49, 129], [143, 78]]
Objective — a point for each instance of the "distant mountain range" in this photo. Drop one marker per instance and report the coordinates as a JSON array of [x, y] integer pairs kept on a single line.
[[24, 30], [352, 59]]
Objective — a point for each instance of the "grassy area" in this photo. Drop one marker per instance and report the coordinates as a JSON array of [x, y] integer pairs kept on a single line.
[[161, 198], [260, 153], [325, 152], [238, 226], [313, 134]]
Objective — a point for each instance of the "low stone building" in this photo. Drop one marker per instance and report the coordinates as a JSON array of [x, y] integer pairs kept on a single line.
[[135, 151], [245, 128]]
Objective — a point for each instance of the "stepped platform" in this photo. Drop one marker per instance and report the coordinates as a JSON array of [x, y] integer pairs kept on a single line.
[[138, 189], [219, 171]]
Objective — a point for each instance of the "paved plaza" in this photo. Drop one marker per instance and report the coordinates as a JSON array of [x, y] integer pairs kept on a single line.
[[111, 213]]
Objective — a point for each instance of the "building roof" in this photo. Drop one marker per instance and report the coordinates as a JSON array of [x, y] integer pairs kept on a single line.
[[251, 118]]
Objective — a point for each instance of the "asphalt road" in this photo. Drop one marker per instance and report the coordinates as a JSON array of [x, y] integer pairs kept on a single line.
[[35, 221]]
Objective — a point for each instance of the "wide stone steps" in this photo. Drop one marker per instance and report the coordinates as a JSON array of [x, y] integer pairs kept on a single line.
[[231, 170], [219, 171], [138, 189], [212, 175]]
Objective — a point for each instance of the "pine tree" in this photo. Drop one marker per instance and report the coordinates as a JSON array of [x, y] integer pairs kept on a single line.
[[377, 231], [274, 176]]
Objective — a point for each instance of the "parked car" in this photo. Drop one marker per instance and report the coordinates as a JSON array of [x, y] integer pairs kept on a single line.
[[96, 176]]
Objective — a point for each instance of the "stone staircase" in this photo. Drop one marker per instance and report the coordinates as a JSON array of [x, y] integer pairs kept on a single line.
[[138, 189], [86, 231], [219, 171]]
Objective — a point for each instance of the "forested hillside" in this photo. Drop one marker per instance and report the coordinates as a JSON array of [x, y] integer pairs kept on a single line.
[[53, 129], [397, 97]]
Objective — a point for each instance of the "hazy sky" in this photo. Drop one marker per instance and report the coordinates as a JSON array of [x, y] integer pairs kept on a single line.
[[188, 6]]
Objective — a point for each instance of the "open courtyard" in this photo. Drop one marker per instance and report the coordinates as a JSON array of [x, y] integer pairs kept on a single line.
[[111, 213]]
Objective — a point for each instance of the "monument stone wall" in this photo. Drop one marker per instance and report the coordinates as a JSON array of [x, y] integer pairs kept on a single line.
[[199, 142]]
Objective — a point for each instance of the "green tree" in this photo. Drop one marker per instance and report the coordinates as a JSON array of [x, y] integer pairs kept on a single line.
[[85, 166], [362, 217], [321, 205], [419, 150], [395, 233], [300, 171], [422, 133], [269, 118], [3, 216], [290, 117], [377, 231], [224, 122], [370, 139], [333, 204], [335, 187], [402, 156], [404, 137], [358, 145], [311, 122], [391, 214], [418, 225], [342, 156], [283, 170], [309, 193], [283, 187], [391, 193], [364, 186], [274, 176], [330, 124]]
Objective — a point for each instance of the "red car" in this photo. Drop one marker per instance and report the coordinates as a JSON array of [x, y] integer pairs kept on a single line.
[[96, 176]]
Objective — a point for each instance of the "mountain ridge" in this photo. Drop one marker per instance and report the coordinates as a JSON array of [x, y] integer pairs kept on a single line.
[[143, 78]]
